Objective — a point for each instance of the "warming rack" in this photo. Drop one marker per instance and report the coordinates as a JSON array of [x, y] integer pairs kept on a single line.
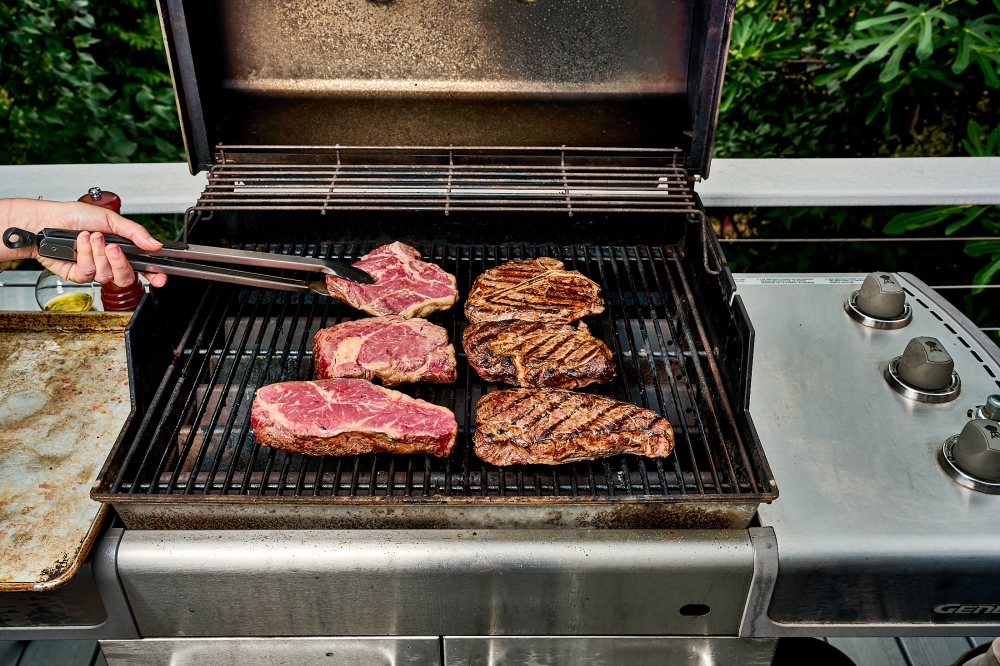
[[448, 178]]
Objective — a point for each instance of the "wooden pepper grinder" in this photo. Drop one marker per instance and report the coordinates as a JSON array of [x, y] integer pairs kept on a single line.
[[114, 298]]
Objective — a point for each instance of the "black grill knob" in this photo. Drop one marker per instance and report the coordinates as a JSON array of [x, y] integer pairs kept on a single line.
[[926, 364], [881, 296], [977, 451], [880, 303]]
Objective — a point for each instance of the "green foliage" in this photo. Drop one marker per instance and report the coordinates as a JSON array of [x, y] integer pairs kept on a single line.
[[846, 78], [989, 216], [82, 83]]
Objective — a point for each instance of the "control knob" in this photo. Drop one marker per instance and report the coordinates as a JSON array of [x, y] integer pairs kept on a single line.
[[880, 303], [973, 457], [925, 372]]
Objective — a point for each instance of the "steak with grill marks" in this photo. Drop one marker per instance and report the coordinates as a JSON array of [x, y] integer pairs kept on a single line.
[[394, 349], [550, 427], [537, 354], [342, 417], [533, 290], [404, 285]]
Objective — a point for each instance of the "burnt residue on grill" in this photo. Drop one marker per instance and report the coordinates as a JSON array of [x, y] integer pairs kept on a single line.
[[64, 397], [192, 461]]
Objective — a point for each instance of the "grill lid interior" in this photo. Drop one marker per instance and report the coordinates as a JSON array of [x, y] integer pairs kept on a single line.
[[620, 73]]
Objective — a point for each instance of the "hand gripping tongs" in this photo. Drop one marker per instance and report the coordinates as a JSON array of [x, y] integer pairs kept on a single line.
[[180, 258]]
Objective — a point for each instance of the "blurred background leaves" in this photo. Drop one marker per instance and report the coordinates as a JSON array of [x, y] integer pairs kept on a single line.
[[84, 82]]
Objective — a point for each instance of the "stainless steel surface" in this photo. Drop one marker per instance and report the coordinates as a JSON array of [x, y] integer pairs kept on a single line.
[[962, 475], [931, 396], [434, 582], [606, 651], [227, 275], [92, 605], [851, 306], [384, 651], [192, 462], [620, 73], [449, 179], [757, 623], [64, 398], [869, 527]]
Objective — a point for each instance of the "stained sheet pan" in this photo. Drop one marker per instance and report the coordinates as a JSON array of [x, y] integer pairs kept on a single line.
[[64, 398]]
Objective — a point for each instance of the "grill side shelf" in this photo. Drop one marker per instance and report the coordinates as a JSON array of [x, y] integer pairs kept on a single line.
[[190, 460]]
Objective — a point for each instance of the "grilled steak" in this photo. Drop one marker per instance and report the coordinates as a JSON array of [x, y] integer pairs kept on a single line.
[[533, 290], [404, 285], [549, 427], [341, 417], [537, 354], [394, 349]]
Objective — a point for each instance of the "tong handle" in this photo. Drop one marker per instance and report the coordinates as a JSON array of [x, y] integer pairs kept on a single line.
[[24, 238]]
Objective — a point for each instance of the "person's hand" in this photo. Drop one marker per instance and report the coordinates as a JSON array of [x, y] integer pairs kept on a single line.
[[96, 260]]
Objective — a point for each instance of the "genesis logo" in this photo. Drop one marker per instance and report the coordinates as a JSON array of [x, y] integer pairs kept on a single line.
[[967, 609]]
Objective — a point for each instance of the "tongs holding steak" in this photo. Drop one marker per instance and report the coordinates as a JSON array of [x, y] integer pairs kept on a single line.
[[537, 354], [342, 417], [532, 290], [549, 427], [394, 349], [404, 285]]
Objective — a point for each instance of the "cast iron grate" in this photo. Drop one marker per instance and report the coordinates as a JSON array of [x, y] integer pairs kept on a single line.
[[195, 439]]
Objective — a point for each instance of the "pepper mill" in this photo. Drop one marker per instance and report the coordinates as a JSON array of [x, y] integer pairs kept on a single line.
[[114, 298]]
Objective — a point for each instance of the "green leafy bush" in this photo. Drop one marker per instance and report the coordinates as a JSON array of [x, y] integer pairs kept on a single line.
[[859, 78], [84, 83]]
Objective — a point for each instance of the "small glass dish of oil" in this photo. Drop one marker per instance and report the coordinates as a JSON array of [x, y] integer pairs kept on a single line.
[[54, 294]]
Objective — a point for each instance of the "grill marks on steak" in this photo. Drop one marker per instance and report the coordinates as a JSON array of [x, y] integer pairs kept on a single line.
[[533, 290], [394, 349], [404, 285], [343, 417], [537, 354], [550, 427]]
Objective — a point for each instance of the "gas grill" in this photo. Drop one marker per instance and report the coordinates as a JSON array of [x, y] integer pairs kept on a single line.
[[481, 131], [192, 460]]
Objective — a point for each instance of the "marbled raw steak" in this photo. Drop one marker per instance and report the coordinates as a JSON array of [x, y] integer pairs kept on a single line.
[[342, 417], [394, 349]]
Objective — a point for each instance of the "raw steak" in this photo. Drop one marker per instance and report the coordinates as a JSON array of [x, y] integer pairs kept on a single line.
[[537, 354], [404, 285], [549, 427], [533, 290], [342, 417], [394, 349]]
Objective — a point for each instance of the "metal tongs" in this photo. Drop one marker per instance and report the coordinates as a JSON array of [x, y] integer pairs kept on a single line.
[[61, 244]]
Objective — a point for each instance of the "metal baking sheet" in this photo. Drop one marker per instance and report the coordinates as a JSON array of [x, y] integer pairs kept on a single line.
[[64, 398]]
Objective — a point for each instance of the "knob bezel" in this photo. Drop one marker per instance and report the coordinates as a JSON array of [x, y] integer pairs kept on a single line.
[[851, 307], [907, 390], [946, 459]]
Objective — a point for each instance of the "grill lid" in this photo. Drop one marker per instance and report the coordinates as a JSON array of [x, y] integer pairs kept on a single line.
[[616, 73]]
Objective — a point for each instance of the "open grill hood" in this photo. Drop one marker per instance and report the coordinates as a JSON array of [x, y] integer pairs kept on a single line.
[[611, 74]]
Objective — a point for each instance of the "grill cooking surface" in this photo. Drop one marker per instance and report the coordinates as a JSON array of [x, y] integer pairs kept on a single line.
[[195, 439]]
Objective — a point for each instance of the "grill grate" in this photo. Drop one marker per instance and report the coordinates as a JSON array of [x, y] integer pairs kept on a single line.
[[448, 178], [195, 438]]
